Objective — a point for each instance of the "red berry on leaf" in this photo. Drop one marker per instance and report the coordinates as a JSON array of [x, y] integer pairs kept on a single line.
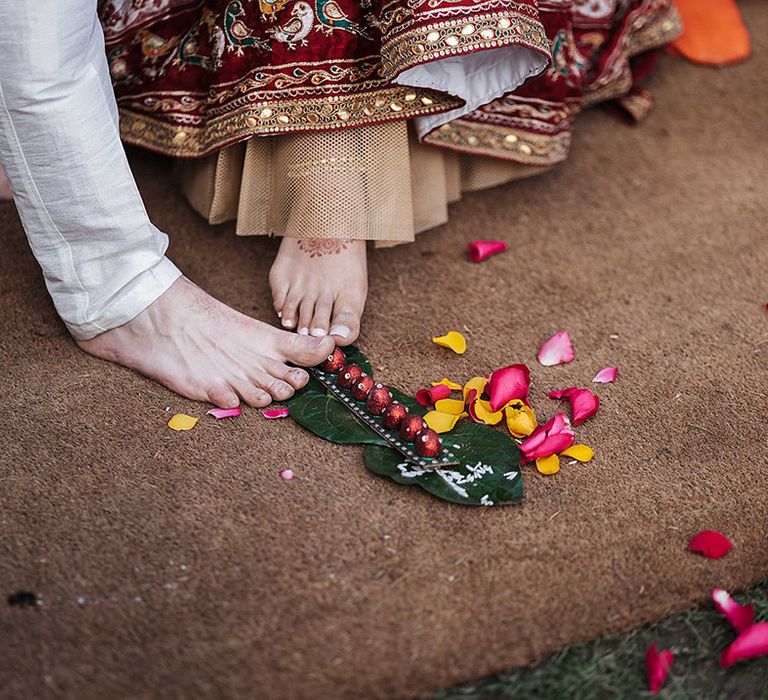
[[428, 443], [394, 414], [379, 398], [410, 426], [348, 375], [362, 388], [335, 361]]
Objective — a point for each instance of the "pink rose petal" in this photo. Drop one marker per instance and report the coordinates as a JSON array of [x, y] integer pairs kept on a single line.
[[427, 397], [558, 350], [480, 250], [740, 616], [752, 642], [657, 665], [607, 375], [287, 474], [508, 383], [711, 544], [219, 413], [554, 437], [272, 413], [583, 402]]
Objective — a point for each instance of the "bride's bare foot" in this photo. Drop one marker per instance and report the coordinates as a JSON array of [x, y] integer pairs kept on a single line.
[[5, 188], [319, 287], [204, 350]]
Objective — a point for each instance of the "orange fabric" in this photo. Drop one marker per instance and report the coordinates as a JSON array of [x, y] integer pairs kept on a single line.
[[713, 32]]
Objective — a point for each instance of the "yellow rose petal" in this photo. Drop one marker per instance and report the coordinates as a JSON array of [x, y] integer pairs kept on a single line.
[[548, 465], [441, 422], [477, 383], [453, 340], [453, 407], [582, 453], [181, 421], [484, 414], [453, 386], [521, 420]]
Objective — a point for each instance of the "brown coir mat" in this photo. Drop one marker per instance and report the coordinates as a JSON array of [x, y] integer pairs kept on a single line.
[[181, 565]]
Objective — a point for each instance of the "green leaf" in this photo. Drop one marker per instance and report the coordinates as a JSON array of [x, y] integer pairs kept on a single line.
[[489, 469]]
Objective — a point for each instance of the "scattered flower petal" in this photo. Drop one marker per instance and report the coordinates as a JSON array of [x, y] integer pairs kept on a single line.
[[427, 397], [752, 642], [287, 474], [453, 340], [441, 422], [711, 544], [552, 438], [607, 375], [657, 665], [508, 383], [581, 453], [272, 413], [476, 384], [558, 350], [181, 421], [454, 407], [219, 413], [453, 386], [740, 616], [480, 411], [480, 250], [583, 402], [548, 465], [521, 420]]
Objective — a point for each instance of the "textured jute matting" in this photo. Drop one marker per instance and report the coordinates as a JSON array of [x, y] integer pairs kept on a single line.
[[181, 565]]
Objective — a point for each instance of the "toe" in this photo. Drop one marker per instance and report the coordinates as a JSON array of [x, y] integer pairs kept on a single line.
[[322, 317], [306, 311], [290, 310], [305, 351], [222, 395], [254, 395], [277, 388], [345, 325], [294, 376]]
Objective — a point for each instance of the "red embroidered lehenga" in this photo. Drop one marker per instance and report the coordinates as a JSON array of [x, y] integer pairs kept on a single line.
[[337, 118]]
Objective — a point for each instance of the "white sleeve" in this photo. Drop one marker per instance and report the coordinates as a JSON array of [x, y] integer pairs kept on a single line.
[[102, 259]]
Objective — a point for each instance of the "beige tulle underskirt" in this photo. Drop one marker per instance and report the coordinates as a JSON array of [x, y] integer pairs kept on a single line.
[[374, 183]]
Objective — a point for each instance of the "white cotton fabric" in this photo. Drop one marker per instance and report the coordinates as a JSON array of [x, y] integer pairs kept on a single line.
[[477, 78], [102, 259]]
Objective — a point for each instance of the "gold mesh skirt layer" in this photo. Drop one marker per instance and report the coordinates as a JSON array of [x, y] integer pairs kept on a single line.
[[372, 183]]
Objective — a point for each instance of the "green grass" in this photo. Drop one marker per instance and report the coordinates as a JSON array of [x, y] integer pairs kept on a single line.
[[614, 667]]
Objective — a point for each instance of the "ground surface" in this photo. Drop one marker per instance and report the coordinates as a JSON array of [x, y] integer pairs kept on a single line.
[[182, 564]]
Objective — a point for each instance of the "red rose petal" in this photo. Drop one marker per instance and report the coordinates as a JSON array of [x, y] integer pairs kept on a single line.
[[547, 440], [711, 544], [480, 250], [740, 616], [752, 642], [657, 665], [273, 413], [508, 383], [583, 402], [427, 397], [558, 350]]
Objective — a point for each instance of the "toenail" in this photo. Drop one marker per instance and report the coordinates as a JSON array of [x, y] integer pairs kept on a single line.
[[318, 332], [341, 331], [279, 314], [303, 331], [287, 323]]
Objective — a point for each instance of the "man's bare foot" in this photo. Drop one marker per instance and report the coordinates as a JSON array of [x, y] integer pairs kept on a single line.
[[319, 287], [206, 351], [5, 188]]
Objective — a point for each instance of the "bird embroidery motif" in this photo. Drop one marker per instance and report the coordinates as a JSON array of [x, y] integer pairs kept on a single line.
[[238, 33], [331, 16], [297, 28]]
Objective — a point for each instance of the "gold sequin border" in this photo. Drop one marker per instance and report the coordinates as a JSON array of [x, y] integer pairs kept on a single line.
[[501, 142], [312, 114], [460, 36]]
